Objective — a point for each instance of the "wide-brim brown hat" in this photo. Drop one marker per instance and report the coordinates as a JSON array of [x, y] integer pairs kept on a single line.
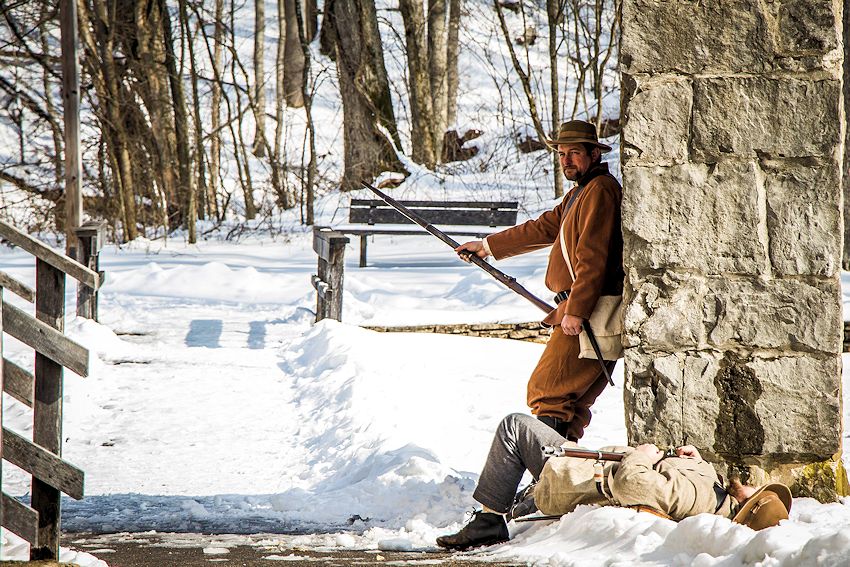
[[577, 132], [765, 508]]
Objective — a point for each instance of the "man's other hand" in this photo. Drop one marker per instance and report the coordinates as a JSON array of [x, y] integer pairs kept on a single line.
[[650, 450], [474, 246], [571, 325]]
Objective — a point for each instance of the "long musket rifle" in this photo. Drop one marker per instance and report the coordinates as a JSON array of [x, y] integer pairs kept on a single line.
[[509, 281]]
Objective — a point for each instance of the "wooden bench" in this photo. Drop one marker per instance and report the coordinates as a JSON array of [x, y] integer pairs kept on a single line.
[[376, 214]]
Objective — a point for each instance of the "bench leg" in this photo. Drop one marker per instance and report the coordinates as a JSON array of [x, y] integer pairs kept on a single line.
[[362, 250]]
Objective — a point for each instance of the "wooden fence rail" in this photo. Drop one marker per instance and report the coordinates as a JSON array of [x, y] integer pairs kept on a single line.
[[39, 523]]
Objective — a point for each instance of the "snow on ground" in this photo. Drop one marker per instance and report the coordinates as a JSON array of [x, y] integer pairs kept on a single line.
[[215, 405]]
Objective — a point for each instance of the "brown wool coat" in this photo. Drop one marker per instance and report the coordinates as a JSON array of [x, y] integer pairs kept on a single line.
[[563, 385], [593, 240], [678, 486]]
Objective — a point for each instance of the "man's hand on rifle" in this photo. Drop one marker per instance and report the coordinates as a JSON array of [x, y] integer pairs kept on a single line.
[[571, 325], [688, 451], [474, 246]]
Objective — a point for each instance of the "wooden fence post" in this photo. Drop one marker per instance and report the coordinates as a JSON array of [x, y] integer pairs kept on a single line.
[[330, 248], [90, 238], [47, 408], [71, 116]]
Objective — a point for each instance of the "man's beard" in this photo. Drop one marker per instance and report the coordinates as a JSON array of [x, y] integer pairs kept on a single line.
[[572, 174]]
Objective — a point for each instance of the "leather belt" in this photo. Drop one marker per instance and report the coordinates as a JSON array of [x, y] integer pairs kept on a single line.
[[562, 296], [721, 495]]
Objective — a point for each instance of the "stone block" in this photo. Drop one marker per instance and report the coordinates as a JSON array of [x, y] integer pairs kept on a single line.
[[670, 400], [657, 120], [799, 405], [804, 216], [762, 116], [694, 216], [673, 312], [743, 411], [733, 36], [806, 27]]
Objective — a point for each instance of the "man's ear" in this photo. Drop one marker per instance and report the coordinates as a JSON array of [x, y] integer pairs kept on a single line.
[[595, 154]]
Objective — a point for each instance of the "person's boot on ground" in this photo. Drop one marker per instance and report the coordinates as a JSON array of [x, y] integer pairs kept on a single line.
[[485, 528]]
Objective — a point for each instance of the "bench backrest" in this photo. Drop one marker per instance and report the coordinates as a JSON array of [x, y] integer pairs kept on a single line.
[[467, 213]]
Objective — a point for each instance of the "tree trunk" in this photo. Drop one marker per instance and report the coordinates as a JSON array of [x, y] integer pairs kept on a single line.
[[196, 108], [293, 58], [370, 134], [308, 110], [554, 13], [311, 20], [421, 109], [106, 79], [259, 148], [56, 132], [452, 50], [215, 108], [278, 166], [145, 39], [327, 35], [437, 63], [238, 141], [181, 126]]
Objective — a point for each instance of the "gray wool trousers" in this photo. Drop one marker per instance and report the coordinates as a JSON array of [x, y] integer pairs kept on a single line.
[[516, 448]]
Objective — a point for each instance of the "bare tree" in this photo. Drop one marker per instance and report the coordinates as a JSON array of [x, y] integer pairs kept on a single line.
[[437, 66], [243, 165], [452, 49], [189, 211], [278, 179], [259, 77], [555, 13], [308, 110], [293, 56], [215, 107], [370, 135], [100, 46], [523, 74], [421, 103], [200, 156]]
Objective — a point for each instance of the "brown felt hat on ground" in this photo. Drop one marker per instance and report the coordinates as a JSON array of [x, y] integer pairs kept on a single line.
[[577, 132], [765, 508]]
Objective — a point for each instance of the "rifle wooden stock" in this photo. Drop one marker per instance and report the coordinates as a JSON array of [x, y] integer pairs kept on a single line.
[[509, 281]]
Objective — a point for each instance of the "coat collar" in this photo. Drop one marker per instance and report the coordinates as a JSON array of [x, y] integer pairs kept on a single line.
[[595, 171]]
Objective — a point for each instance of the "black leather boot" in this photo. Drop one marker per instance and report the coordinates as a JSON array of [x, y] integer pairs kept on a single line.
[[485, 528]]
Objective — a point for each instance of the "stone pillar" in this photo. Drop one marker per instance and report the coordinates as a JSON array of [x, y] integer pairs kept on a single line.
[[732, 151]]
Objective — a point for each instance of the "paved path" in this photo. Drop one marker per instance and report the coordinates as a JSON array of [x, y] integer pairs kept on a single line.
[[197, 550]]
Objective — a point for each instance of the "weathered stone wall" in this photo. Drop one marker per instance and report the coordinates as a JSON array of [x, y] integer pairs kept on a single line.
[[732, 149]]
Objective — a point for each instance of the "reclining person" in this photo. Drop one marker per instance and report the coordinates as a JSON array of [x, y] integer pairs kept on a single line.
[[676, 487]]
